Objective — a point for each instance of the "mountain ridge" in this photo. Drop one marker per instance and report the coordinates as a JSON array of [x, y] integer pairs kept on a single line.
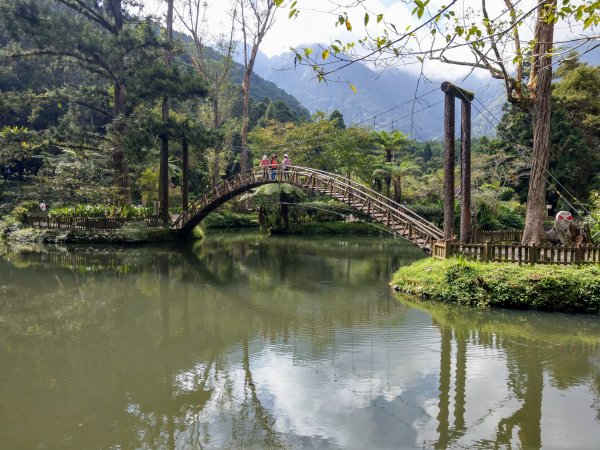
[[377, 92]]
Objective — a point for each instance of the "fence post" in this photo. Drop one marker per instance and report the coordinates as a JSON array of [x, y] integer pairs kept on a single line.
[[485, 252], [533, 254], [578, 257]]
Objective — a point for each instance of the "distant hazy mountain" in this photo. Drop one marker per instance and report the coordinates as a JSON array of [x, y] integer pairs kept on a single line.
[[260, 88], [378, 92]]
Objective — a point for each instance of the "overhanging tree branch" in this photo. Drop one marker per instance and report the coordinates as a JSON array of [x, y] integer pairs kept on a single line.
[[88, 12]]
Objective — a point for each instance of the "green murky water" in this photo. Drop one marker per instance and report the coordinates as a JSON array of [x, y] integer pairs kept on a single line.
[[250, 342]]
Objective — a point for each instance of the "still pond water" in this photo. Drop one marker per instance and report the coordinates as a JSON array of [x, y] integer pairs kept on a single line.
[[249, 342]]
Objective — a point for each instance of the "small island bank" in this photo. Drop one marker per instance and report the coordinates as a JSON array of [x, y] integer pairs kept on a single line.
[[573, 288]]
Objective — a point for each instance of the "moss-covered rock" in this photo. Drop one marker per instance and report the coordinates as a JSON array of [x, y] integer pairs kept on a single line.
[[542, 287]]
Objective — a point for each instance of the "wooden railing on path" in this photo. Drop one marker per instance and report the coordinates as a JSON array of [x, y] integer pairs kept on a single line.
[[86, 223], [400, 220], [517, 253]]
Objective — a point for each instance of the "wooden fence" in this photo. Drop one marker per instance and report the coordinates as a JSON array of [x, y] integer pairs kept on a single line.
[[517, 253], [87, 223]]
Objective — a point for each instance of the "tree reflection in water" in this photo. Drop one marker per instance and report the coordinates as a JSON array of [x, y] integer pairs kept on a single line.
[[247, 342], [529, 347]]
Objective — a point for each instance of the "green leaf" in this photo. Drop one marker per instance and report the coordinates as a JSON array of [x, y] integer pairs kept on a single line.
[[325, 54], [366, 19], [379, 17]]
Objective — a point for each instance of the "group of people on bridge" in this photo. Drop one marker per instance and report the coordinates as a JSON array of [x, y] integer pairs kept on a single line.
[[271, 166]]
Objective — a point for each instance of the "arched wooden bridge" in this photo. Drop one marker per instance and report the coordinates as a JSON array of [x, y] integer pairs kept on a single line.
[[397, 218]]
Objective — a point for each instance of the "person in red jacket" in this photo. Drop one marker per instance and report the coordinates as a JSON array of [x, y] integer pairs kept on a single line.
[[273, 165]]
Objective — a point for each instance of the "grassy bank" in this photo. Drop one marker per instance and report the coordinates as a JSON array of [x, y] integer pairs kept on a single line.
[[550, 288]]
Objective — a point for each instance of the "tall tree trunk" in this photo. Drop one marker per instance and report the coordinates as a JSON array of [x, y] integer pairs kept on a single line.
[[164, 139], [216, 175], [163, 179], [120, 167], [246, 108], [217, 147], [397, 189], [185, 173], [263, 14], [388, 178], [284, 210], [541, 82]]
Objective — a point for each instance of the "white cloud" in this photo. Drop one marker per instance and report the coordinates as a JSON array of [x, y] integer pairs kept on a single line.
[[316, 24]]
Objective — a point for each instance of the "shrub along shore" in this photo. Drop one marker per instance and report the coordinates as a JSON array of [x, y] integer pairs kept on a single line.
[[541, 287], [134, 233], [333, 228]]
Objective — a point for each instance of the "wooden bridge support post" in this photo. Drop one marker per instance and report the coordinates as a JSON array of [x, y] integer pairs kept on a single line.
[[465, 172], [448, 166], [466, 97]]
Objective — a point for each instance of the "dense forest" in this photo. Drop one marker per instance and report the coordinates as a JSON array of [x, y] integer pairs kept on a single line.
[[82, 122]]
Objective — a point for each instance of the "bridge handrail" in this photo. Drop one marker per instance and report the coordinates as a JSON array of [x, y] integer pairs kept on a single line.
[[382, 201], [386, 200], [419, 222]]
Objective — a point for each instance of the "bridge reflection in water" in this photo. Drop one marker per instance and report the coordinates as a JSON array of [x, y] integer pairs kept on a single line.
[[247, 342]]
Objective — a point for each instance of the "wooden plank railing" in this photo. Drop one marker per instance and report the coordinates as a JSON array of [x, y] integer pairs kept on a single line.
[[86, 223], [518, 253]]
